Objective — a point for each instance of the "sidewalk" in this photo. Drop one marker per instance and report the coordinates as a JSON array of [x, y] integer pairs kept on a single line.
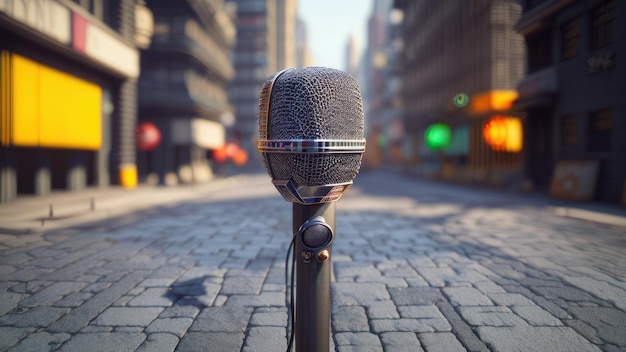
[[36, 214]]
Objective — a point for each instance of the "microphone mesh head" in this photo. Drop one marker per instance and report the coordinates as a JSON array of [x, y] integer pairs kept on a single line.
[[311, 103]]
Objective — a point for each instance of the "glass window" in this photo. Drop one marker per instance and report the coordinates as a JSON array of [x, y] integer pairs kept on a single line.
[[570, 34], [539, 51], [569, 130], [600, 128], [601, 25]]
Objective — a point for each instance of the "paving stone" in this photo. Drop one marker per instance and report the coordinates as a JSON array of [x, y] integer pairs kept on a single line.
[[382, 310], [414, 325], [345, 294], [441, 342], [128, 328], [461, 329], [10, 336], [95, 328], [211, 341], [34, 317], [180, 311], [73, 300], [534, 339], [159, 342], [265, 338], [510, 299], [271, 318], [536, 316], [97, 287], [81, 316], [174, 326], [9, 300], [242, 285], [128, 316], [610, 324], [415, 296], [52, 293], [357, 341], [400, 342], [420, 312], [437, 277], [349, 319], [265, 299], [466, 296], [29, 274], [36, 342], [222, 319], [490, 316], [103, 342], [153, 297], [31, 287], [584, 330]]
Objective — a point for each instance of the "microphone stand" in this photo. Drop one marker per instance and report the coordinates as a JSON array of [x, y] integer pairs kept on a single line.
[[313, 265]]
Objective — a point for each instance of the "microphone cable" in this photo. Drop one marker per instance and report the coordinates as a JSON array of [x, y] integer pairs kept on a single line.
[[289, 294]]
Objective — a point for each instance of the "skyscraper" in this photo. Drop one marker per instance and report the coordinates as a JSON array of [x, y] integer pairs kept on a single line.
[[183, 87]]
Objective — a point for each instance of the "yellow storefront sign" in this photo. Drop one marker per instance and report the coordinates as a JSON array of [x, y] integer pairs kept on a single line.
[[45, 107]]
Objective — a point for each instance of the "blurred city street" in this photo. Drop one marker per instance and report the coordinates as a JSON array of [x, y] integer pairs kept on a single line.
[[417, 265]]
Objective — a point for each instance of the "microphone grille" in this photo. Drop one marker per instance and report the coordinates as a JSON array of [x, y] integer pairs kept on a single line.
[[311, 103]]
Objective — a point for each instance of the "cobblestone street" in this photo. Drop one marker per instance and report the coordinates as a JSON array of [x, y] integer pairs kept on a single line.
[[418, 266]]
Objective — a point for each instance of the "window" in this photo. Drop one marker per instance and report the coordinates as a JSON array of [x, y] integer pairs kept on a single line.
[[569, 130], [600, 128], [570, 34], [601, 25], [539, 51]]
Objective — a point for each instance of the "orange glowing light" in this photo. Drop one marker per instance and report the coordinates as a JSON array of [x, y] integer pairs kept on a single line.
[[503, 133], [241, 157], [494, 132], [220, 155], [231, 149], [492, 101]]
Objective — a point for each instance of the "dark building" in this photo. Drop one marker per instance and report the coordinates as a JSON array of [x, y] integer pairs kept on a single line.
[[467, 49], [183, 88], [574, 92], [68, 94]]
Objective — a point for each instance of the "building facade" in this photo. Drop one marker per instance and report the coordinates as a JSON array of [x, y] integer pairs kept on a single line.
[[183, 88], [68, 94], [460, 65], [573, 95], [373, 90]]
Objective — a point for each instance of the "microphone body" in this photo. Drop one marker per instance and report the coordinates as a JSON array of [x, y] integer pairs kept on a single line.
[[311, 130]]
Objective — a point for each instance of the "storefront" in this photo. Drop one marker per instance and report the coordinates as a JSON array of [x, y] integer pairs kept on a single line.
[[68, 101]]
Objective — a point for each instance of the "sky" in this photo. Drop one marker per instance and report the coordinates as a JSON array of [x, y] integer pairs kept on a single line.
[[329, 25]]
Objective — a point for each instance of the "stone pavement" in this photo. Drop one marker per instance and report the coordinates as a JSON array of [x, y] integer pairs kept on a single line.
[[418, 266]]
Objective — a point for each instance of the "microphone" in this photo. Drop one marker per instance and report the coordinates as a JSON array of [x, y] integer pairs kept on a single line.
[[311, 133]]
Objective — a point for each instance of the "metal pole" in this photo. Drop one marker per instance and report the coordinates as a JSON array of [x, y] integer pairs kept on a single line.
[[313, 255]]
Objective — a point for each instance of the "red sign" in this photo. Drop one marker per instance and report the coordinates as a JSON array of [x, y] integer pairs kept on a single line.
[[148, 136], [79, 32]]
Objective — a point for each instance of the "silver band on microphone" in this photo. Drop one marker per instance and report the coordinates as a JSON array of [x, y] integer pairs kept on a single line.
[[312, 146]]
